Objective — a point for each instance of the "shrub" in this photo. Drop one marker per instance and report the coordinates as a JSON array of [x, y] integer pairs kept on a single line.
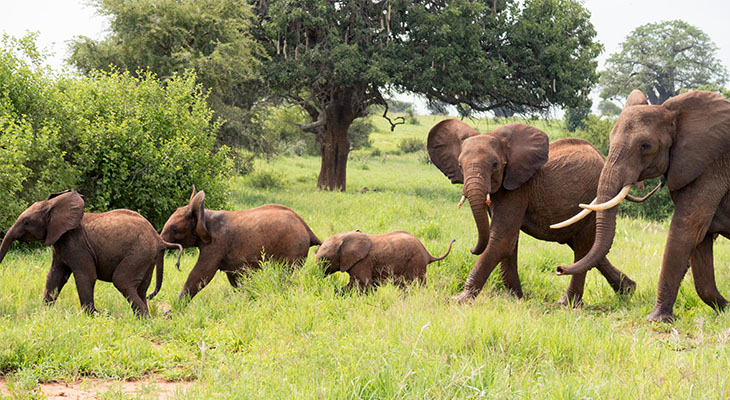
[[265, 179], [359, 133], [411, 145], [596, 131], [122, 141]]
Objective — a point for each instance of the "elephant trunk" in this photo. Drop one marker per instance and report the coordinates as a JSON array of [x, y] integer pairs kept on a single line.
[[7, 241], [476, 192], [608, 185]]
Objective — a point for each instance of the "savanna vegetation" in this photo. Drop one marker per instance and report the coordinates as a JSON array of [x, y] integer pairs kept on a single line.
[[289, 334], [246, 100]]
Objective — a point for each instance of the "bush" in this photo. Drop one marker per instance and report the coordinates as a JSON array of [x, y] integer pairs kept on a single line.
[[411, 145], [122, 141], [359, 133], [596, 131], [265, 179]]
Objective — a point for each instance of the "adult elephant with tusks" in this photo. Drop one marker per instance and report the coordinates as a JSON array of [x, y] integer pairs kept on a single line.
[[687, 142], [525, 183]]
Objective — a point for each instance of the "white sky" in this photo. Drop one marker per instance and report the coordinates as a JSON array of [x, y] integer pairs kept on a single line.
[[59, 21]]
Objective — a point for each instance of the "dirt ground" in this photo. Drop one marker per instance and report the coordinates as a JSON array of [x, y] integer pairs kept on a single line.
[[90, 388]]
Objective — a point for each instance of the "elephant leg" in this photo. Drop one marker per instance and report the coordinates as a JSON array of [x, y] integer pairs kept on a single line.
[[85, 282], [690, 222], [57, 278], [361, 276], [510, 276], [199, 277], [573, 296], [234, 278], [703, 272], [504, 231], [620, 283], [145, 284], [129, 286]]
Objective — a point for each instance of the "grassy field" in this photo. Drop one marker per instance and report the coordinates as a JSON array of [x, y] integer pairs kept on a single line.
[[288, 335]]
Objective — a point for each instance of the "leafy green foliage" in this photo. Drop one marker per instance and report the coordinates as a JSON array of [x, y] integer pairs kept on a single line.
[[661, 59], [335, 58], [141, 144], [575, 116], [122, 141], [608, 108], [167, 37], [411, 145], [596, 130]]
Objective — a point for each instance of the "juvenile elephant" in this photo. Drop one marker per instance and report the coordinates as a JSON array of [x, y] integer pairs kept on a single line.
[[687, 142], [525, 183], [371, 259], [232, 241], [118, 246]]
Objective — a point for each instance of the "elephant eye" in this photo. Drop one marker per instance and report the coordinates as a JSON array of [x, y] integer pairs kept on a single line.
[[494, 165], [25, 222], [645, 146]]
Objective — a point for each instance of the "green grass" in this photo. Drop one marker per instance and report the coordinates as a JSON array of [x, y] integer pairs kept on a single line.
[[288, 335]]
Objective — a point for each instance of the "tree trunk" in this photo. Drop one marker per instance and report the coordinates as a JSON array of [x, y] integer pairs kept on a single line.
[[335, 147]]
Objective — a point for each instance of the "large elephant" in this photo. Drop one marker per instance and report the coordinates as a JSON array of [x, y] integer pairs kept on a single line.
[[525, 183], [233, 241], [371, 259], [687, 142], [118, 246]]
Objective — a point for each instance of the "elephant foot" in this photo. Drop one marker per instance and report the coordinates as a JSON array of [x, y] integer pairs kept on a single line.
[[659, 315], [573, 301], [626, 288], [464, 297]]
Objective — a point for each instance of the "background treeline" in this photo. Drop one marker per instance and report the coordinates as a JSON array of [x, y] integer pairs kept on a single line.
[[122, 141]]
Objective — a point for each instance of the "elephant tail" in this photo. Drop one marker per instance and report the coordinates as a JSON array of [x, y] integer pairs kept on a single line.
[[451, 243], [313, 239], [160, 265]]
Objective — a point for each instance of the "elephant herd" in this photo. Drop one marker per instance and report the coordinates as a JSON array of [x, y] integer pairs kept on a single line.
[[511, 175]]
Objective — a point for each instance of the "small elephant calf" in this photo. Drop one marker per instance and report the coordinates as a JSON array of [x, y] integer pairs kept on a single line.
[[370, 259], [118, 246]]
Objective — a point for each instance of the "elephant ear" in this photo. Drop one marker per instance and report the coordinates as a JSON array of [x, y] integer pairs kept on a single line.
[[198, 208], [65, 212], [527, 150], [636, 98], [702, 135], [354, 248], [444, 146]]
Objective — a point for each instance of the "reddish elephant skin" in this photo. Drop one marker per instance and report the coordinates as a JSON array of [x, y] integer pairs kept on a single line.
[[529, 185], [686, 140], [118, 246], [232, 241], [372, 259]]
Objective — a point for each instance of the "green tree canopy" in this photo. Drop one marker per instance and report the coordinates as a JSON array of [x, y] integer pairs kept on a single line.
[[166, 37], [336, 58], [608, 108], [661, 59]]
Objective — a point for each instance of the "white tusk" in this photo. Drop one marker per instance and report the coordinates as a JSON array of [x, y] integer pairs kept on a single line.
[[573, 219], [609, 204], [489, 200], [461, 202]]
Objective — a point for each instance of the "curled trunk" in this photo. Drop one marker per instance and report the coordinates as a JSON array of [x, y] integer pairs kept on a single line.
[[608, 186], [477, 195]]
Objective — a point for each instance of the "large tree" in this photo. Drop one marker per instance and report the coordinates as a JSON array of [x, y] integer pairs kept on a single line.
[[661, 59], [337, 58], [166, 37]]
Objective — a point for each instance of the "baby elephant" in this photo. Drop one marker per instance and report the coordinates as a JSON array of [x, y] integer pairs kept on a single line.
[[232, 241], [118, 246], [370, 259]]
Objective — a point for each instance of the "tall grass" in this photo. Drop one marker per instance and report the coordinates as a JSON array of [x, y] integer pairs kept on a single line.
[[288, 334]]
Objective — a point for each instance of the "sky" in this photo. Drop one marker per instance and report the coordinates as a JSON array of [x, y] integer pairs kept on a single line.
[[59, 21]]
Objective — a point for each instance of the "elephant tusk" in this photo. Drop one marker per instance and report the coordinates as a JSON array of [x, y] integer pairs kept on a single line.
[[489, 201], [609, 204], [577, 217], [461, 202], [641, 200]]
